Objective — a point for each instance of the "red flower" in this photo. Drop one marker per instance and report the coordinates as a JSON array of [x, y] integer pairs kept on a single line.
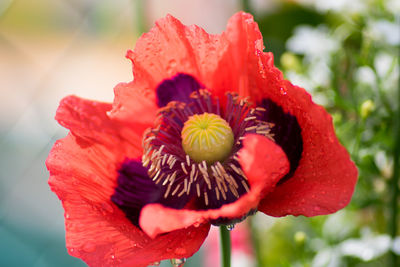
[[132, 194]]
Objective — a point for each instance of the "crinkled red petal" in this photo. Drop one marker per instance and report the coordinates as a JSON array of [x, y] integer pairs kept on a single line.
[[264, 164], [134, 107], [83, 172], [220, 62], [90, 121], [234, 61], [325, 178]]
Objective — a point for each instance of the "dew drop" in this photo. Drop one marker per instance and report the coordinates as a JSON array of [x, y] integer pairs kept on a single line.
[[230, 227], [283, 91], [178, 262], [262, 73], [156, 263], [171, 65], [66, 216], [191, 234], [74, 252], [180, 251]]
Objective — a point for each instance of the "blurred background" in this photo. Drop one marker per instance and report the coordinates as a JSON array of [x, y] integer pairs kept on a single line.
[[345, 53]]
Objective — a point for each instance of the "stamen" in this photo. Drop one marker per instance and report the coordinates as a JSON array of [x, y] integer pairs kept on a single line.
[[167, 192], [206, 198], [182, 192], [176, 189], [198, 190], [159, 179], [188, 189], [183, 168], [164, 159], [245, 186], [185, 184], [157, 174], [217, 193], [251, 128], [171, 165], [187, 160], [250, 118], [166, 179]]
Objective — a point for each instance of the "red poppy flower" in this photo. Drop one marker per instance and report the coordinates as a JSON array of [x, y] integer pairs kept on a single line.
[[207, 132]]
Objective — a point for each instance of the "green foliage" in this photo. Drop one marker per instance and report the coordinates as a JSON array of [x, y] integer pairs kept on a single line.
[[352, 69]]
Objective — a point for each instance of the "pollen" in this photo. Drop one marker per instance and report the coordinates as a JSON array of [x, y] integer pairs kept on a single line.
[[207, 137]]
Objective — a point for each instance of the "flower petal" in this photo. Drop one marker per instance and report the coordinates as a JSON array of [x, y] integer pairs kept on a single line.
[[89, 120], [83, 174], [264, 164], [178, 88], [136, 189], [238, 61], [286, 132], [134, 108], [224, 62], [170, 48], [325, 178]]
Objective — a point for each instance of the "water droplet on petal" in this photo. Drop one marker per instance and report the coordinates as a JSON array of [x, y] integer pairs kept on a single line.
[[230, 227], [180, 251], [74, 252], [66, 216], [178, 262], [283, 91], [156, 263]]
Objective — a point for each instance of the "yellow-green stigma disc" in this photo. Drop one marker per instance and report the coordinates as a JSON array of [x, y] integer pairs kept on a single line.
[[207, 137]]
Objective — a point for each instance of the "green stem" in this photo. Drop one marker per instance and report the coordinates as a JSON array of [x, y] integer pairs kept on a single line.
[[395, 178], [225, 246]]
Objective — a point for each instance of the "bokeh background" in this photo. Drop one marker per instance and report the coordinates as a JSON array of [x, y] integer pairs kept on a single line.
[[345, 53]]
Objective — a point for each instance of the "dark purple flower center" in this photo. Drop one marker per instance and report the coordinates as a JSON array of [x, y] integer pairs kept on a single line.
[[170, 176], [211, 184]]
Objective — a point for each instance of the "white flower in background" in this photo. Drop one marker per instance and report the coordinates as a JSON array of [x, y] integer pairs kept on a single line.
[[388, 70], [367, 247], [396, 245], [328, 257], [317, 45], [393, 6], [385, 30], [383, 62], [353, 6], [365, 75], [312, 42], [300, 80], [384, 164]]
